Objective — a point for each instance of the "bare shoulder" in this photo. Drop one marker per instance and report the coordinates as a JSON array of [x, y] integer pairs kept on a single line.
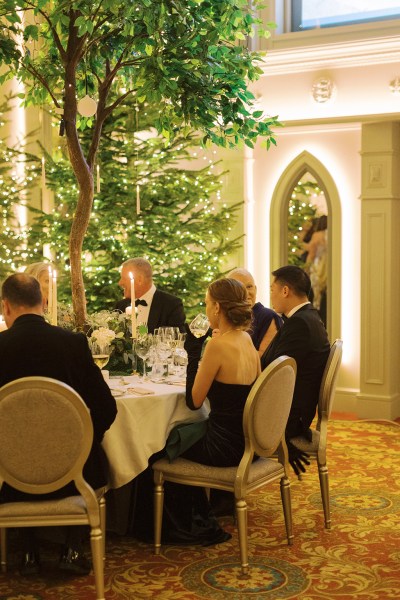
[[212, 343], [229, 338]]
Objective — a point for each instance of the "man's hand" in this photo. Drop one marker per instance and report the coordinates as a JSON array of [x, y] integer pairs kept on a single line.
[[298, 460]]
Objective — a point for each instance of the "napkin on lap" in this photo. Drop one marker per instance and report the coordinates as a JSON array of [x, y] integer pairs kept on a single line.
[[139, 391]]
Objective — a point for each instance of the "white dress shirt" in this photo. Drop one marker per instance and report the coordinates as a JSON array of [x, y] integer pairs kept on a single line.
[[142, 312], [296, 308]]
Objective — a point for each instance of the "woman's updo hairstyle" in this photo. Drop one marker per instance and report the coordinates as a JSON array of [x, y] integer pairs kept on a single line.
[[232, 298], [37, 269]]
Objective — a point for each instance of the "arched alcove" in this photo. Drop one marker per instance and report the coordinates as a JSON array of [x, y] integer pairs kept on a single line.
[[303, 163]]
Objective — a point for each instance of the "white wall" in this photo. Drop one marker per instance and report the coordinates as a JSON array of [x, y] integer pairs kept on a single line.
[[337, 148]]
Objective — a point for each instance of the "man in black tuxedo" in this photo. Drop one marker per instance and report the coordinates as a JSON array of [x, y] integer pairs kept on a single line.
[[154, 307], [30, 346], [304, 338]]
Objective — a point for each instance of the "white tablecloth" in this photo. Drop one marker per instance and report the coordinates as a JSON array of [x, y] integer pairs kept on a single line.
[[142, 426]]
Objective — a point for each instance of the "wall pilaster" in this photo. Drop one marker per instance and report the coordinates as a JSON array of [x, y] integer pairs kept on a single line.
[[379, 395]]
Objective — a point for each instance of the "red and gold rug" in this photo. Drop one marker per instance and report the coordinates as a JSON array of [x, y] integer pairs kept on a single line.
[[358, 558]]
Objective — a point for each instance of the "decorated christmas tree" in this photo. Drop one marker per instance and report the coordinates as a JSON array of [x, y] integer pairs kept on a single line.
[[17, 173], [87, 58], [301, 213], [146, 205]]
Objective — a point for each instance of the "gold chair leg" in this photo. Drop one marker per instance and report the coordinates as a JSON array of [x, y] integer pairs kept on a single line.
[[96, 544], [158, 511], [287, 508], [241, 514], [3, 549], [102, 505], [324, 485]]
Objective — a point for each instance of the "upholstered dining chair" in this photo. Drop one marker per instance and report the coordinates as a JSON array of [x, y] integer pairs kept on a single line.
[[264, 420], [316, 448], [46, 434]]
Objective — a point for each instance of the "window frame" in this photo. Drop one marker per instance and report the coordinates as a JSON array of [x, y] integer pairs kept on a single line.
[[296, 7]]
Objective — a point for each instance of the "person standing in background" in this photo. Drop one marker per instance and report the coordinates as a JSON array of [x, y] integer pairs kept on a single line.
[[317, 265]]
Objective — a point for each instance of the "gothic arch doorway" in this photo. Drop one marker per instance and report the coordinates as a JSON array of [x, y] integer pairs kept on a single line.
[[306, 169]]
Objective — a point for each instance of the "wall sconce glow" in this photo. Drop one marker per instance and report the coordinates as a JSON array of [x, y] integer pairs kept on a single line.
[[323, 90], [394, 86], [249, 208]]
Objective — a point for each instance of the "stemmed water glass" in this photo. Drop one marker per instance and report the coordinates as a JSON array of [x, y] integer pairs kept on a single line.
[[143, 345], [164, 346]]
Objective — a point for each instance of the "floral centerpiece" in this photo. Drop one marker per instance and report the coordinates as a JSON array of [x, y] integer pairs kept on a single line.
[[65, 316], [107, 327], [103, 337], [115, 327]]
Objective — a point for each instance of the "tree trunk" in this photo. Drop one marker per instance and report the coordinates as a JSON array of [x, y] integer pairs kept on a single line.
[[84, 176], [78, 230]]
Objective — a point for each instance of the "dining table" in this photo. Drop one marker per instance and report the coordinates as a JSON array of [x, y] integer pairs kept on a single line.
[[147, 412]]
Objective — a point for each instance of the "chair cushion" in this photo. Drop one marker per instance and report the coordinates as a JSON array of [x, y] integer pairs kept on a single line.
[[74, 505], [226, 475], [306, 446]]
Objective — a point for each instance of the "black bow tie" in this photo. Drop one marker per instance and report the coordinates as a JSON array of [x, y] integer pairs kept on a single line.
[[141, 302], [284, 317]]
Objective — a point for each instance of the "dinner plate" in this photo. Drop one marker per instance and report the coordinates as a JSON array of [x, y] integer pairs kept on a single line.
[[117, 393]]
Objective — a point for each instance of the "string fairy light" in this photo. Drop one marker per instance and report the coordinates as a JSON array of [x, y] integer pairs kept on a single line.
[[137, 163]]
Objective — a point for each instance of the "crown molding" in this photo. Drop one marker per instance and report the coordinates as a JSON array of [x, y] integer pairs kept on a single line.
[[333, 55]]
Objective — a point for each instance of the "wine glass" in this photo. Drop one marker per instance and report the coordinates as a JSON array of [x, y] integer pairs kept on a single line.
[[100, 353], [200, 325], [143, 344]]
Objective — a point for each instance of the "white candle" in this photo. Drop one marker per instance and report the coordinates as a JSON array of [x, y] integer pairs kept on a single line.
[[3, 325], [137, 199], [50, 295], [133, 315], [54, 286], [98, 178], [43, 175]]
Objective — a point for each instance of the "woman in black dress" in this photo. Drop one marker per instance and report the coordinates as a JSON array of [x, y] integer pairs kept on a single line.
[[229, 366]]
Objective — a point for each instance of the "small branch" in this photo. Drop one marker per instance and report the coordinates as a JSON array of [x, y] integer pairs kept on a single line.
[[54, 33], [35, 73], [109, 109]]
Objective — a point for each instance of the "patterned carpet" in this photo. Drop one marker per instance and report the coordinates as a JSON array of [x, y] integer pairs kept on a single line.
[[358, 558]]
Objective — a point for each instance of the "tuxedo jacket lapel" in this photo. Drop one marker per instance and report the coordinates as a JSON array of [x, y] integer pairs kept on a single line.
[[154, 313]]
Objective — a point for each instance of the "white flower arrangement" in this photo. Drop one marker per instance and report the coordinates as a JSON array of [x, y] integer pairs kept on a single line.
[[114, 320], [103, 336]]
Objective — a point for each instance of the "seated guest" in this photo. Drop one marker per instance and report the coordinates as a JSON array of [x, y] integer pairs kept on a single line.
[[265, 322], [40, 271], [30, 346], [304, 338], [229, 366], [154, 307]]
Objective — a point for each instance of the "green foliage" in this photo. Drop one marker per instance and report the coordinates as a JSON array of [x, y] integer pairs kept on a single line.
[[178, 229], [301, 212], [185, 57], [181, 55]]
